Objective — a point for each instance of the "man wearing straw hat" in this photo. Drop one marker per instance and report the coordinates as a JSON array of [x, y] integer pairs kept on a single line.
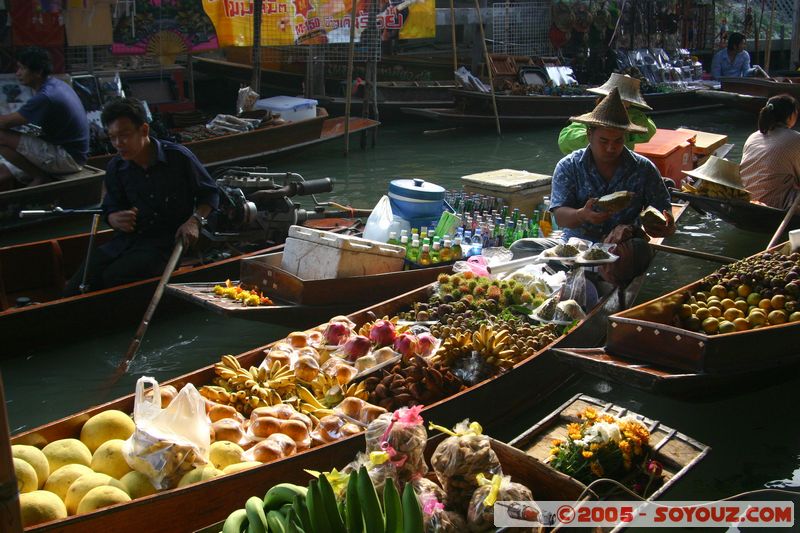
[[604, 167], [573, 137]]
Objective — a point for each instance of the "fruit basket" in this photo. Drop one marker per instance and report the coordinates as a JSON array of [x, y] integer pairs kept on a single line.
[[657, 332]]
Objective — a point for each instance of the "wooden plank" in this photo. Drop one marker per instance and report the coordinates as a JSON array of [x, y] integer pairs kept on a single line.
[[705, 143]]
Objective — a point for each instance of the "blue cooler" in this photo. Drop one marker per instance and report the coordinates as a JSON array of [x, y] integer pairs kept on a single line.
[[417, 201]]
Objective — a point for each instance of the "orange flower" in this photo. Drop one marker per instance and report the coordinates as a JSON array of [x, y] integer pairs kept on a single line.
[[596, 468], [589, 413], [556, 442], [587, 454]]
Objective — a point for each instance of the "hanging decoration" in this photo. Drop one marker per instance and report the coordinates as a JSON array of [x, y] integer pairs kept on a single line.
[[164, 28]]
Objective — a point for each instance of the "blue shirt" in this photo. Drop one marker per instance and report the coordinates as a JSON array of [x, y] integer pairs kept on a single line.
[[576, 179], [165, 194], [59, 112], [721, 65]]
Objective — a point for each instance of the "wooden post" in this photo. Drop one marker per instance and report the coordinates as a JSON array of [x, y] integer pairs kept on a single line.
[[10, 519], [255, 82], [453, 37], [190, 72], [488, 66], [349, 94], [769, 38], [795, 36]]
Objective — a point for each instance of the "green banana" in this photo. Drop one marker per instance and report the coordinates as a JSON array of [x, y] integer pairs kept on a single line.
[[236, 522], [370, 505], [352, 511], [329, 505], [301, 512], [392, 507], [282, 493], [256, 519], [276, 522], [316, 509], [412, 514]]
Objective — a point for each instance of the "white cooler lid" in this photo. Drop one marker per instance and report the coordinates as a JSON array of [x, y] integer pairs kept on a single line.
[[507, 180]]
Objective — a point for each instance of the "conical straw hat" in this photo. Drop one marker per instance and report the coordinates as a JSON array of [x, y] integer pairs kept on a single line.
[[609, 113], [628, 89], [720, 171]]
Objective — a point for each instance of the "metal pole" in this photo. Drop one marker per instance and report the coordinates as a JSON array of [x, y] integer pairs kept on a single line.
[[255, 82], [349, 95], [83, 287], [453, 37], [488, 66]]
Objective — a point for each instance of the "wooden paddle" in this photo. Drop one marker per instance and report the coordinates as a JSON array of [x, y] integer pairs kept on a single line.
[[137, 339], [784, 223], [10, 519]]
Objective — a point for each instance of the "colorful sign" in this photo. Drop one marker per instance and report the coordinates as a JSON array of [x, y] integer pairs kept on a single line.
[[163, 28], [286, 22]]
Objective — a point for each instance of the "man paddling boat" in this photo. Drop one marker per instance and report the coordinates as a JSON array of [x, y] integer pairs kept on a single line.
[[156, 192]]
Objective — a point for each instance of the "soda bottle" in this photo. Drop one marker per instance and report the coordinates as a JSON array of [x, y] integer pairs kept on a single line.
[[425, 255], [413, 252], [446, 254], [435, 253], [393, 238], [546, 224], [457, 251], [423, 232]]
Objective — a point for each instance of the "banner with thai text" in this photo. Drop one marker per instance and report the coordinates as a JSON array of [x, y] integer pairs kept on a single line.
[[286, 22]]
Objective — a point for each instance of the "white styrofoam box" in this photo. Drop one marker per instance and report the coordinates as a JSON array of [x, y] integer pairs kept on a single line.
[[312, 254], [289, 107]]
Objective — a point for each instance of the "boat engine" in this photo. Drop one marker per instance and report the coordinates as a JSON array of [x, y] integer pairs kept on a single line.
[[256, 204]]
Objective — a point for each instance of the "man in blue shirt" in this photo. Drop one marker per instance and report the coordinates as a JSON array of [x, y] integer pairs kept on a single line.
[[156, 192], [604, 167], [733, 61], [63, 146]]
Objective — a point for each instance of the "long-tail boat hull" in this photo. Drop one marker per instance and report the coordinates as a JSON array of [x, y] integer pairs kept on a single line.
[[744, 215]]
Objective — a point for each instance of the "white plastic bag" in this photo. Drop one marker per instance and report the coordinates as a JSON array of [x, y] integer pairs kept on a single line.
[[379, 221], [168, 443]]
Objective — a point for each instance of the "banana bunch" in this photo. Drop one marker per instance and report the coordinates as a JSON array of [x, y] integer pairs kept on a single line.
[[247, 389], [494, 346], [276, 512], [330, 392], [310, 405], [716, 190], [455, 346]]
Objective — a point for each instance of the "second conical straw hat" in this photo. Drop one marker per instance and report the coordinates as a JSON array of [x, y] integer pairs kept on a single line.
[[628, 89], [609, 113]]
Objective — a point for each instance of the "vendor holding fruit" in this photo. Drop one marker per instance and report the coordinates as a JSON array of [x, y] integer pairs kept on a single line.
[[574, 137], [770, 166], [606, 166], [156, 193]]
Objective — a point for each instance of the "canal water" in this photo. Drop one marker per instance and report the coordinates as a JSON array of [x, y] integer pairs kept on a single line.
[[754, 434]]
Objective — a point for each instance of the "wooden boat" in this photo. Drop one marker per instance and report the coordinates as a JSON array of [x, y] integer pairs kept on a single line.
[[198, 505], [751, 94], [39, 270], [82, 189], [195, 506], [392, 96], [644, 349], [265, 142], [475, 109], [295, 297], [676, 452], [744, 215]]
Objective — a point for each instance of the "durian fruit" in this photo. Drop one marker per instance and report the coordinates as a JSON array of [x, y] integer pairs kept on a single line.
[[166, 45]]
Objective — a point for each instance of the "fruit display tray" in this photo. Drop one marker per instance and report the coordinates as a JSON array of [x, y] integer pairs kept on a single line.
[[650, 332]]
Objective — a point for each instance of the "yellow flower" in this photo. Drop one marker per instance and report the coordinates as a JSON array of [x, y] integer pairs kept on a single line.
[[594, 446], [556, 442], [554, 451], [608, 418], [590, 413], [625, 446], [596, 468], [587, 454]]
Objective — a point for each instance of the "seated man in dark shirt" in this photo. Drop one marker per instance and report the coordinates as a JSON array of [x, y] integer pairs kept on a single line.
[[63, 146], [156, 192]]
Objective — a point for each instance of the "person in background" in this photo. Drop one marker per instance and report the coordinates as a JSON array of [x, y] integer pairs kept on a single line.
[[156, 192], [63, 146], [770, 166], [573, 137], [734, 61]]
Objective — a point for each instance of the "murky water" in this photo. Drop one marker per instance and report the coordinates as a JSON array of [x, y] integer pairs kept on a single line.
[[754, 435]]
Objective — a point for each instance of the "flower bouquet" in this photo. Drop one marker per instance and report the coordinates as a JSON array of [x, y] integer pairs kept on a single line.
[[604, 446]]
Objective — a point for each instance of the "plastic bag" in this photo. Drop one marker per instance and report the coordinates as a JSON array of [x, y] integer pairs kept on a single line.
[[401, 437], [245, 100], [480, 516], [379, 221], [580, 289], [438, 520], [168, 443], [459, 459], [475, 264]]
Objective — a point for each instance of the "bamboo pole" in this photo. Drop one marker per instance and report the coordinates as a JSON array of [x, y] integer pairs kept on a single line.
[[453, 38], [784, 223], [349, 95], [255, 81], [10, 519], [769, 38], [488, 66]]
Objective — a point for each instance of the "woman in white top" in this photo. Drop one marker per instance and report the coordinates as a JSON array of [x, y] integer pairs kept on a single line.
[[770, 166]]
